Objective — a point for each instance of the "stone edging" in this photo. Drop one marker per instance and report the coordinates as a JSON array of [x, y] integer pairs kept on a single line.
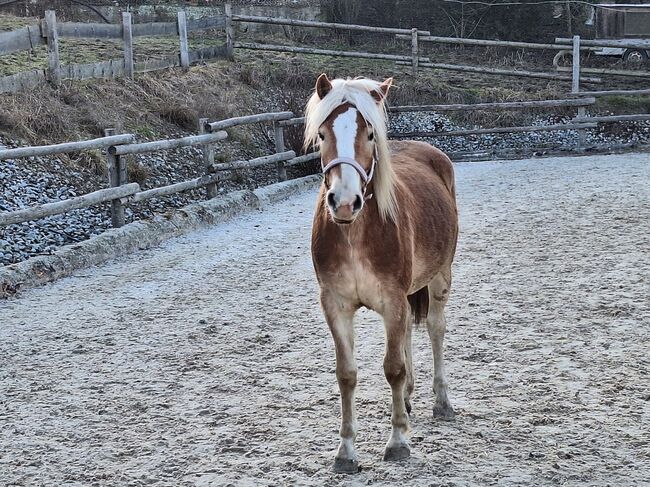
[[141, 235]]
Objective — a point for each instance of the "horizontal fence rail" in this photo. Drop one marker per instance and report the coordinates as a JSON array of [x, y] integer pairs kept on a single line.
[[49, 209], [502, 72], [531, 152], [302, 159], [93, 31], [496, 130], [627, 43], [160, 145], [489, 42], [507, 105], [249, 119], [615, 118], [48, 150], [612, 93], [325, 52], [606, 71], [292, 122], [323, 25]]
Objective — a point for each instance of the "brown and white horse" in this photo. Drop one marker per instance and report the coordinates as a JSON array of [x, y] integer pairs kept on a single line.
[[384, 237]]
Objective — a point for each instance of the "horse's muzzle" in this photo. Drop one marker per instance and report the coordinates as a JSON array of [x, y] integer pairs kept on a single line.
[[344, 211]]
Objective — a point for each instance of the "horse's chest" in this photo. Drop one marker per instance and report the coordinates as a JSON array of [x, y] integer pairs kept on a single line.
[[358, 283]]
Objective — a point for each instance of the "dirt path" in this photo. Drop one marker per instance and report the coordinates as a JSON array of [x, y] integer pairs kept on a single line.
[[207, 361]]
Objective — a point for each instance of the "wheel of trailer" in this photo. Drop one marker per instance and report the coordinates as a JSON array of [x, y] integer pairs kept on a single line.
[[635, 56]]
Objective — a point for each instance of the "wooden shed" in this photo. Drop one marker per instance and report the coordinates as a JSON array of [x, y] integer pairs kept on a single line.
[[622, 21]]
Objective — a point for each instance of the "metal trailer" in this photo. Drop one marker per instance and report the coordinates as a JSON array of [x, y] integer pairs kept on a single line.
[[623, 22]]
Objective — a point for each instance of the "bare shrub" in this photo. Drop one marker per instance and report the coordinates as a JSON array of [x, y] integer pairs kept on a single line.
[[294, 136], [138, 172]]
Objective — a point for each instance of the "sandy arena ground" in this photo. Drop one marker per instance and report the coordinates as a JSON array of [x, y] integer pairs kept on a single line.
[[206, 362]]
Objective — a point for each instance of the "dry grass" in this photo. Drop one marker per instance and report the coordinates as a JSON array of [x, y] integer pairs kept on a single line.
[[172, 101], [163, 102], [11, 22]]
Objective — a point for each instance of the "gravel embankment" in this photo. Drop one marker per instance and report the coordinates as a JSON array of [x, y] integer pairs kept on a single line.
[[637, 132]]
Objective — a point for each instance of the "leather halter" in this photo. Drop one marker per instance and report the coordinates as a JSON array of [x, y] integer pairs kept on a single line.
[[365, 177]]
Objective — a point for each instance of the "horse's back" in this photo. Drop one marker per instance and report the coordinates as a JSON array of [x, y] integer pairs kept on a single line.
[[412, 158], [426, 191]]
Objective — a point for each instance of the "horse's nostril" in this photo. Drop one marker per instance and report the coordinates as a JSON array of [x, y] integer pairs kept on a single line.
[[331, 200], [357, 203]]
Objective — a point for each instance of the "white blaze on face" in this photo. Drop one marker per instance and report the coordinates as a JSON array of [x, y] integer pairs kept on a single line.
[[345, 130]]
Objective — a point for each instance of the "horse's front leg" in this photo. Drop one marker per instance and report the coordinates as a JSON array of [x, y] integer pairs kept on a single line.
[[339, 314], [396, 321]]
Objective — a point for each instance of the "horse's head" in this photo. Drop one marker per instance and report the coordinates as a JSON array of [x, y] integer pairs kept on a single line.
[[346, 118]]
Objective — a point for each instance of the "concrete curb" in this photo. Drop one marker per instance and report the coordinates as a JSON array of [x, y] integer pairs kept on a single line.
[[141, 235]]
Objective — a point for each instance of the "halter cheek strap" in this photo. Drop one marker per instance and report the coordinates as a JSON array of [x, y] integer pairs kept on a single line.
[[365, 177]]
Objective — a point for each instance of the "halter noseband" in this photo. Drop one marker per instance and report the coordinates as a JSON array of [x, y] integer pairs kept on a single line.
[[365, 177]]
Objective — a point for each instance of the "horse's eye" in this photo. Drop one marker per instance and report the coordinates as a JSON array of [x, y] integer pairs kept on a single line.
[[371, 136], [321, 136]]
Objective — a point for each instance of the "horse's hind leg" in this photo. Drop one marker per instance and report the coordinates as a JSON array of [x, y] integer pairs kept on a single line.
[[410, 373], [339, 316], [436, 325]]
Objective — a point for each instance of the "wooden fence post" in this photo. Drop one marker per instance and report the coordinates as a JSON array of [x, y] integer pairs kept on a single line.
[[575, 86], [230, 31], [127, 37], [575, 80], [208, 159], [54, 64], [182, 34], [415, 51], [116, 177], [278, 132]]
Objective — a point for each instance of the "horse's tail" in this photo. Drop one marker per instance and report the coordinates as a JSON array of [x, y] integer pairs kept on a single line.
[[419, 302]]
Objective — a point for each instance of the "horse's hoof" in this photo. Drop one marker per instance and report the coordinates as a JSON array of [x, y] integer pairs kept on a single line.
[[346, 465], [444, 412], [397, 452]]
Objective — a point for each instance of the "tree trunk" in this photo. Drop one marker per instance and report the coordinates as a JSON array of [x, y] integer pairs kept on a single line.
[[569, 19]]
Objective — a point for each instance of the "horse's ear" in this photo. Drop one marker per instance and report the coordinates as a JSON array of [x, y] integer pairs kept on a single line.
[[382, 92], [323, 86]]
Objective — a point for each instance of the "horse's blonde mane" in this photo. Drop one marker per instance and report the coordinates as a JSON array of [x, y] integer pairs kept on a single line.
[[358, 93]]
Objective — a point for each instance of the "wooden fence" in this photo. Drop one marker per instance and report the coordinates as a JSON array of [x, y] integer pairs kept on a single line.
[[120, 192], [579, 124], [49, 31], [417, 60]]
